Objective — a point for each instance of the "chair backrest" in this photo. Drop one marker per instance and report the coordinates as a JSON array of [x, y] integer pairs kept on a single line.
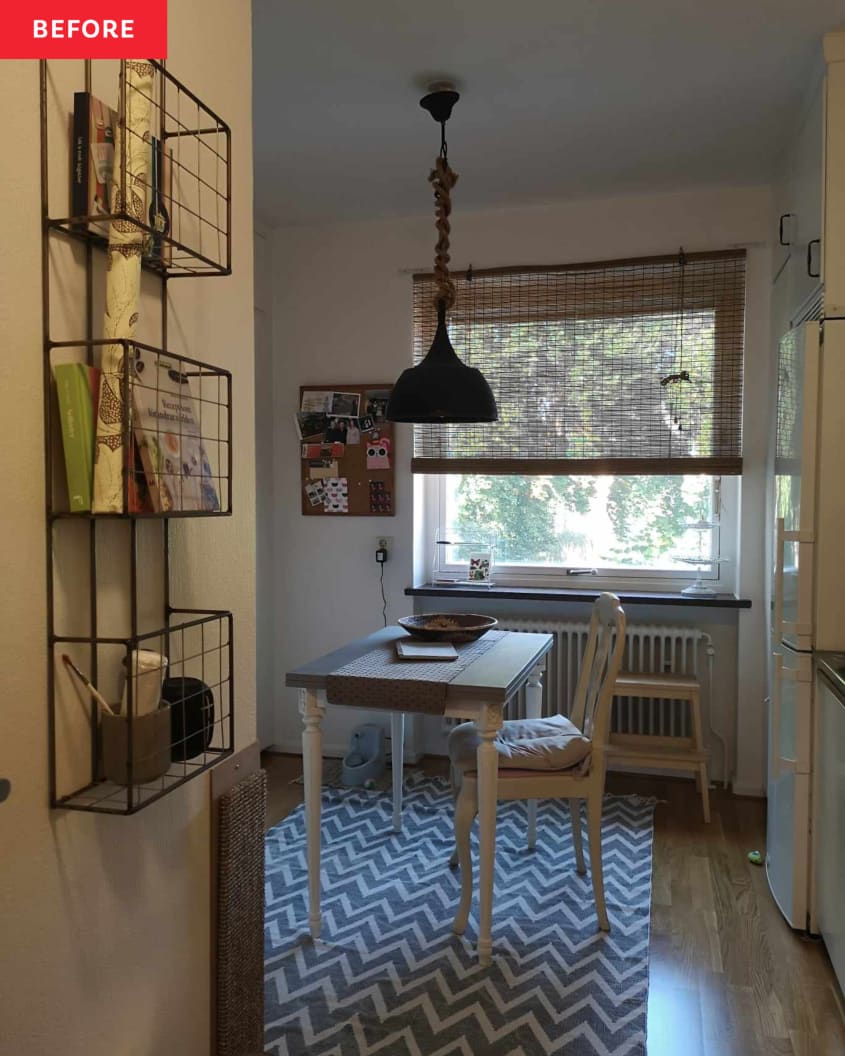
[[599, 667]]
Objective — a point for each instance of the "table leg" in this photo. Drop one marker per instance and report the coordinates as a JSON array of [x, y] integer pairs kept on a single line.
[[533, 710], [397, 759], [312, 708], [489, 723]]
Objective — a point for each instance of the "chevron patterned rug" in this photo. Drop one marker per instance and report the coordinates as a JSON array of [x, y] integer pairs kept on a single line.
[[389, 978]]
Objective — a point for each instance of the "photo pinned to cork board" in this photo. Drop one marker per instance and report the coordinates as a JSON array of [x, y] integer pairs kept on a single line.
[[346, 451]]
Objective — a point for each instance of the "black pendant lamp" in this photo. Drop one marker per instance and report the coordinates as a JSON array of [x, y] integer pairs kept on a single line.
[[441, 388]]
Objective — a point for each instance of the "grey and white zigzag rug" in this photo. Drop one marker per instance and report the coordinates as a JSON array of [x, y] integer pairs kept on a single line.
[[389, 978]]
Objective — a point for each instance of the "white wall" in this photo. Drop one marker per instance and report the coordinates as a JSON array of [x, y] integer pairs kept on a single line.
[[342, 312], [265, 629], [105, 921]]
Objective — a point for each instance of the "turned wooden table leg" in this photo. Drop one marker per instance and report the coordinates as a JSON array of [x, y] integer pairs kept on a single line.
[[533, 710], [397, 760], [312, 708], [489, 723]]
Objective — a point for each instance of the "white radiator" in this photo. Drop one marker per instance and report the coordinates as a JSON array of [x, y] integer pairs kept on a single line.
[[648, 649]]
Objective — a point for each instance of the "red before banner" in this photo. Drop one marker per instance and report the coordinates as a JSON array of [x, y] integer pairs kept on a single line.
[[84, 29]]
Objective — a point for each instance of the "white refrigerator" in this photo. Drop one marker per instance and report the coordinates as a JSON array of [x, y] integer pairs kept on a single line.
[[808, 592]]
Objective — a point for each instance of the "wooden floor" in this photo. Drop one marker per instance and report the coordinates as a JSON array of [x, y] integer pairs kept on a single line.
[[728, 977]]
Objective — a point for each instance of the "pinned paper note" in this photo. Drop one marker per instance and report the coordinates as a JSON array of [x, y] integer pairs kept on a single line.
[[322, 469], [337, 496]]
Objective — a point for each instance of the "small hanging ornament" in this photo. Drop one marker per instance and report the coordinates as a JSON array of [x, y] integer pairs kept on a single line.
[[674, 381]]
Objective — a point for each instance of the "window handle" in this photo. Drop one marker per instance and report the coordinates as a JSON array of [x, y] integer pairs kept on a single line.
[[581, 572], [784, 241]]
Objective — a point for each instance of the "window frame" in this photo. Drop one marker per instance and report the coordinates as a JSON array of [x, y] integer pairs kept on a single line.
[[721, 578]]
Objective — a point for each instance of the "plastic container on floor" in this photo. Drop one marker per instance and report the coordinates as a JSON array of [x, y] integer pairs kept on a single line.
[[364, 762]]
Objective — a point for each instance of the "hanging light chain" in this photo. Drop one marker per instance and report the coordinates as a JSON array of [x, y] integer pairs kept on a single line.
[[443, 179]]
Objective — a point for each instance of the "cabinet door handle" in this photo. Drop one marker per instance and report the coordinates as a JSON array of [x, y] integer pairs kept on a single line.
[[781, 239], [810, 244]]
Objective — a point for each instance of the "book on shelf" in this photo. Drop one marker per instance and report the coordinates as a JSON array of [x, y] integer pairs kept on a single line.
[[93, 174], [406, 649], [92, 167], [167, 432], [77, 386], [139, 499]]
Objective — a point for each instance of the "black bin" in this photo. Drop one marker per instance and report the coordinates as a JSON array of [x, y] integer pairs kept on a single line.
[[191, 716]]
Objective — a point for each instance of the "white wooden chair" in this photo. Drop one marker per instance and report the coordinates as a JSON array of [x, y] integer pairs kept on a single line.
[[554, 758]]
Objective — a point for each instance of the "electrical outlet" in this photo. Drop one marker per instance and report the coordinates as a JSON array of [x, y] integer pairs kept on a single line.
[[385, 542]]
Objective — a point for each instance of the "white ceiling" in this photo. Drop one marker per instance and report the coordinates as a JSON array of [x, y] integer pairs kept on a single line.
[[560, 98]]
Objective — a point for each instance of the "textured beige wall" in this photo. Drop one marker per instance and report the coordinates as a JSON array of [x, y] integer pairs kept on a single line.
[[104, 922]]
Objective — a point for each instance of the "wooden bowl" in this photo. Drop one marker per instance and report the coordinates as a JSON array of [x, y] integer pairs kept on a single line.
[[448, 626]]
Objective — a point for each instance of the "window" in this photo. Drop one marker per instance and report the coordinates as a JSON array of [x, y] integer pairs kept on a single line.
[[617, 527], [619, 388]]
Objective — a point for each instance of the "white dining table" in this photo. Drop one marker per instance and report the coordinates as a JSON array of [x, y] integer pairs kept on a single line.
[[480, 692]]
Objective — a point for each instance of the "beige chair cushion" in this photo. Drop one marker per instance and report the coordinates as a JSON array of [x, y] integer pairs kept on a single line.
[[524, 744]]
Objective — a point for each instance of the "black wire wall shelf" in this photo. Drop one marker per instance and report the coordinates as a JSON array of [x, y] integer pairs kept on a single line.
[[110, 612], [135, 758], [187, 190]]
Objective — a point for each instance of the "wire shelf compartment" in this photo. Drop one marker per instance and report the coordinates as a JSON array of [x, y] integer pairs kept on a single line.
[[176, 430], [185, 194], [120, 763]]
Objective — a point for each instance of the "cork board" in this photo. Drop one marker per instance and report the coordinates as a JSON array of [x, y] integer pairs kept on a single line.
[[347, 452]]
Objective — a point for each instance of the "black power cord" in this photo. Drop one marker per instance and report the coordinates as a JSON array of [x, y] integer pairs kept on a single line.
[[381, 558]]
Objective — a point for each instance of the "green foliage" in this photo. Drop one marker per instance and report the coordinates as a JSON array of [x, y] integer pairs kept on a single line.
[[593, 385], [594, 390], [649, 514], [521, 512], [527, 515]]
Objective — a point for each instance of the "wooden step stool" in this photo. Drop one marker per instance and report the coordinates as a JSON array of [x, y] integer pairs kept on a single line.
[[666, 753]]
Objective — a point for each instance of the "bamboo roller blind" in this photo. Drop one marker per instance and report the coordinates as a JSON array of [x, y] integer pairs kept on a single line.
[[576, 356]]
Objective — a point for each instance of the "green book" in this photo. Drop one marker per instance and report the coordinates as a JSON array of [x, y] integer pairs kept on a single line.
[[76, 386]]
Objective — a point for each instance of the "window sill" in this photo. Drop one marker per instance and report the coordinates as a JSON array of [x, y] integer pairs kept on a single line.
[[627, 597]]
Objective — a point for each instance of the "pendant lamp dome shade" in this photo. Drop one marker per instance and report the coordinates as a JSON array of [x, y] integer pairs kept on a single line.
[[442, 388]]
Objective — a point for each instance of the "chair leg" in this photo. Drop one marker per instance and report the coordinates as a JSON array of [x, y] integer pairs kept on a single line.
[[575, 815], [701, 775], [465, 812], [454, 782], [594, 811]]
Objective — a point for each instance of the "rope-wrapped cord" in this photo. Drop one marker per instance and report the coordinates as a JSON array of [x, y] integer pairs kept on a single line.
[[443, 179]]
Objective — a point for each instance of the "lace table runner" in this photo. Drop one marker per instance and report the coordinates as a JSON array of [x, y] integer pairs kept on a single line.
[[379, 679]]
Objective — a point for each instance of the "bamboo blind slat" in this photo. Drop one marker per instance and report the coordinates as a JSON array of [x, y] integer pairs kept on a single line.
[[575, 357]]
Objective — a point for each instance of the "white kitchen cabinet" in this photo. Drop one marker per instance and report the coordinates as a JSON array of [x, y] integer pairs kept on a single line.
[[808, 180], [829, 825], [798, 214], [834, 206]]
